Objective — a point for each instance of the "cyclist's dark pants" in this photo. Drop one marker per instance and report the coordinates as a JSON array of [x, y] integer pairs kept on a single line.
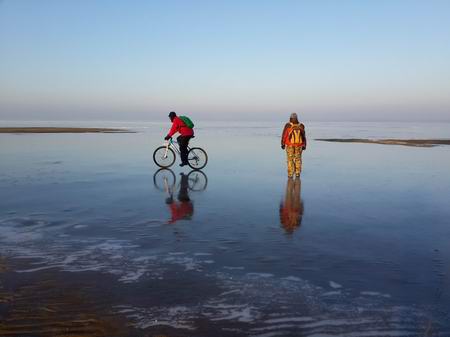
[[183, 142]]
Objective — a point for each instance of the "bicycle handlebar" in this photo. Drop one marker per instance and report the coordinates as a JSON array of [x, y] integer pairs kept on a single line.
[[168, 142]]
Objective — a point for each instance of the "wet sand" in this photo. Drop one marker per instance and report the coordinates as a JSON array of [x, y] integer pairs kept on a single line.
[[61, 130], [404, 142], [51, 303]]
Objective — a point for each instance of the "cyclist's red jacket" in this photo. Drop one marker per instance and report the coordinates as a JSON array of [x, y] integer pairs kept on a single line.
[[179, 126]]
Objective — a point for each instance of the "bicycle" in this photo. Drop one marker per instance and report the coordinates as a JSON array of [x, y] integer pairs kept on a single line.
[[164, 156]]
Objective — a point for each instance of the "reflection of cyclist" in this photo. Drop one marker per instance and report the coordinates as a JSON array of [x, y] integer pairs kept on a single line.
[[184, 209], [186, 133], [291, 209]]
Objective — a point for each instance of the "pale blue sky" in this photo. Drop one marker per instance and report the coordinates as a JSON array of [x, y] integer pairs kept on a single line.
[[137, 60]]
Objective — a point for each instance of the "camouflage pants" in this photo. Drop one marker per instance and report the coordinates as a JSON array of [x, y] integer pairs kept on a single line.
[[294, 160]]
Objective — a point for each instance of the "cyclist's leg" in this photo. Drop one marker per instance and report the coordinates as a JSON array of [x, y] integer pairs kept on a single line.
[[186, 153], [183, 142]]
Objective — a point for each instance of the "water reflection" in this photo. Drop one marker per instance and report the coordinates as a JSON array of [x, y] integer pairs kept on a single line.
[[181, 207], [291, 208]]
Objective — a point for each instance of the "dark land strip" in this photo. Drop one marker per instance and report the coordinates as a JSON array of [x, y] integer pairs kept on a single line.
[[404, 142], [60, 130]]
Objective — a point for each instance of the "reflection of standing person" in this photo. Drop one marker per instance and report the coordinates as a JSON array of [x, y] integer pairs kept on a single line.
[[293, 139], [183, 209], [291, 208]]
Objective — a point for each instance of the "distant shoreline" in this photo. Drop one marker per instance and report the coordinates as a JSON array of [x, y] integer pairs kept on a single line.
[[404, 142], [61, 130]]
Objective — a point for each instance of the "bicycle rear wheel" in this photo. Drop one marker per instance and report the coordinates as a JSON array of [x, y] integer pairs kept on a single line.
[[197, 180], [197, 158], [164, 157]]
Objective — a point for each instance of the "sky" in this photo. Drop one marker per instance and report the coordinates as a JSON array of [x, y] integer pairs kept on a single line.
[[225, 60]]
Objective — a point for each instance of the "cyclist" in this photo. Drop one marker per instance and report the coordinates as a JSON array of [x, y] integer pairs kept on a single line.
[[293, 139], [186, 133]]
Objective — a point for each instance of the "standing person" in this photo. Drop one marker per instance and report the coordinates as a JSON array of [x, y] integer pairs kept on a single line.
[[293, 139], [184, 126]]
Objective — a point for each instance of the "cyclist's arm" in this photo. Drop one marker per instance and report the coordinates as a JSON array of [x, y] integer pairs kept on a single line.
[[174, 129]]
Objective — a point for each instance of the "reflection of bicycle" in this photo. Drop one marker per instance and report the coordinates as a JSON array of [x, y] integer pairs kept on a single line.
[[197, 180], [164, 156], [165, 180]]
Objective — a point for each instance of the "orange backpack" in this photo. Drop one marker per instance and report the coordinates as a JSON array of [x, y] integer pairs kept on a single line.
[[293, 135]]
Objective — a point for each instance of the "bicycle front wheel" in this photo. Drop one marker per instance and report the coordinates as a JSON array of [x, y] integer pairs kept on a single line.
[[197, 158], [164, 180], [164, 157]]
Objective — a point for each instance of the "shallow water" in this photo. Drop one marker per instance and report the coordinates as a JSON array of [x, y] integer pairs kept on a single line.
[[359, 247]]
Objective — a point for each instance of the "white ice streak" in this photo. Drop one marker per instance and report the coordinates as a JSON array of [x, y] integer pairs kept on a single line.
[[374, 293], [233, 268], [188, 263], [335, 285], [321, 327], [288, 319], [238, 313], [292, 278], [133, 276], [373, 333], [178, 317], [256, 275], [230, 292], [272, 334]]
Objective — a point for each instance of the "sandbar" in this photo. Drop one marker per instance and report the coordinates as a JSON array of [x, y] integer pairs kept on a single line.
[[404, 142], [60, 130]]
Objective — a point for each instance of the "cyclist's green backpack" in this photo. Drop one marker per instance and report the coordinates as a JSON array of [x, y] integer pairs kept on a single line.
[[187, 121]]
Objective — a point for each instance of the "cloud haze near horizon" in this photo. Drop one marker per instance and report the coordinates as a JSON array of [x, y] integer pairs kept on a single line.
[[137, 60]]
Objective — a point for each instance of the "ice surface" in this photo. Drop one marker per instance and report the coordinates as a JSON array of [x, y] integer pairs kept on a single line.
[[368, 257]]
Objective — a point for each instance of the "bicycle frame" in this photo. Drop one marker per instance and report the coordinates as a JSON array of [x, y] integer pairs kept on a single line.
[[171, 144]]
